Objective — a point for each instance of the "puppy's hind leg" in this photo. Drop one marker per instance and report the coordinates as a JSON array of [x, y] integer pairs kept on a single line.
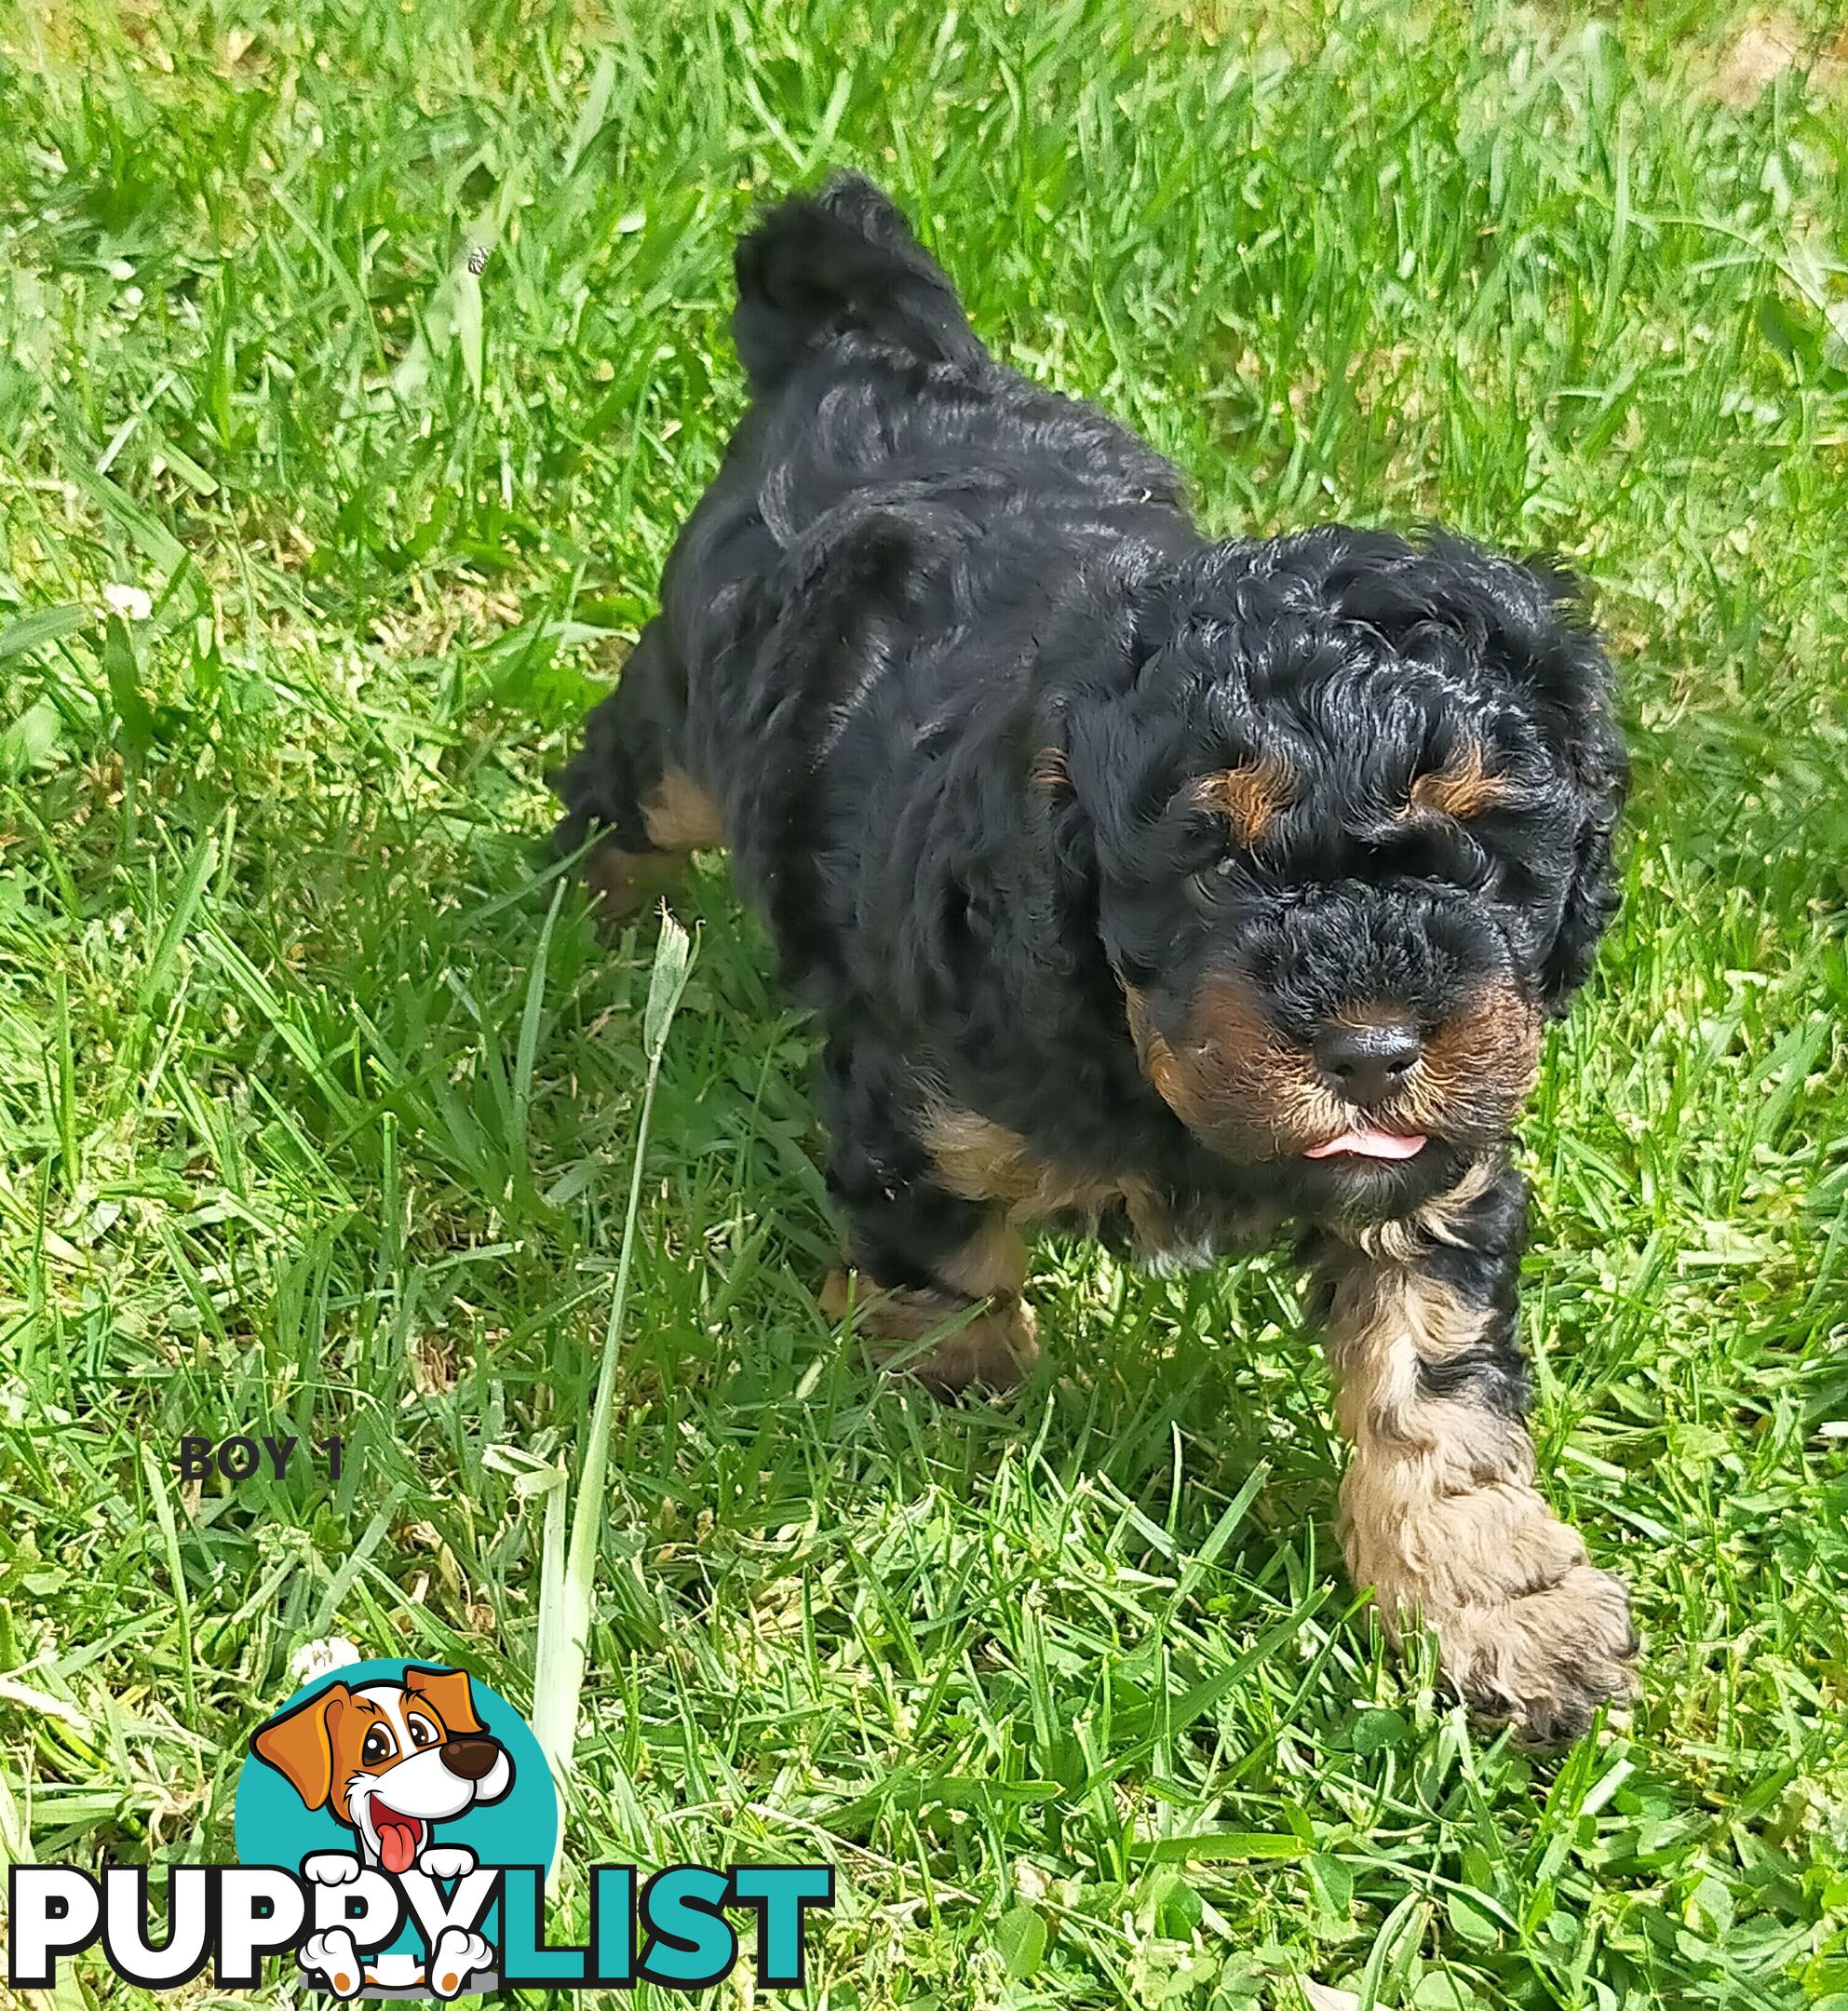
[[936, 1280], [629, 781]]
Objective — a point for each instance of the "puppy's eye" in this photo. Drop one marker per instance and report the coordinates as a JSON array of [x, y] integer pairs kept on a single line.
[[379, 1746], [422, 1734], [1478, 869], [1209, 883]]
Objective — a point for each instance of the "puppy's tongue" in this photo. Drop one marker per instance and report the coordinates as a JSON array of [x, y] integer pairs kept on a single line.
[[1371, 1144], [397, 1838]]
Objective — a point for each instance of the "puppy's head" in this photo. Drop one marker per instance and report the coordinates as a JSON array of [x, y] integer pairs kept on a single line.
[[1347, 809], [389, 1759]]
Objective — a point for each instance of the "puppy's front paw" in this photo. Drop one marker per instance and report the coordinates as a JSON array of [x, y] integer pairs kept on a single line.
[[1545, 1659], [995, 1351], [625, 885], [333, 1956], [447, 1861], [457, 1957], [330, 1867], [994, 1347]]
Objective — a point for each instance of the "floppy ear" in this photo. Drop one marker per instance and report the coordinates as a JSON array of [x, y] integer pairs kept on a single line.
[[1526, 623], [1601, 774], [1556, 654], [1054, 816], [449, 1691], [1095, 643], [300, 1744]]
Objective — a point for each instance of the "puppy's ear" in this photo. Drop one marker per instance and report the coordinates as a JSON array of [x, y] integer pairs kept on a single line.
[[1096, 646], [299, 1744], [1551, 648], [1527, 624], [450, 1692], [1600, 773], [1060, 822]]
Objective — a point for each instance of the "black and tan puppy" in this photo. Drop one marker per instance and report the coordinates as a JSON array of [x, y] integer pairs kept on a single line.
[[1193, 891]]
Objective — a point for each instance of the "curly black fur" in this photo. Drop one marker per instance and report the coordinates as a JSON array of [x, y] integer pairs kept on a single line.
[[958, 670]]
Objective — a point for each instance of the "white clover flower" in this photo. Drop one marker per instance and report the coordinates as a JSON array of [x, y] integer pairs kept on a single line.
[[130, 602], [121, 269], [316, 1657]]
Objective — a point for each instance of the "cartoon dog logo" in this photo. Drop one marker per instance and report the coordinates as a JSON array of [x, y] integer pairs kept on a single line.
[[390, 1761]]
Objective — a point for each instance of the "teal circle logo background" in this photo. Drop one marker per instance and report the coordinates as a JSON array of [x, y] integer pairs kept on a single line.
[[272, 1826]]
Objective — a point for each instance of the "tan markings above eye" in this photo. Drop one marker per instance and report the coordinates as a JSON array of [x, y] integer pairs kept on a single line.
[[1250, 795], [1463, 787]]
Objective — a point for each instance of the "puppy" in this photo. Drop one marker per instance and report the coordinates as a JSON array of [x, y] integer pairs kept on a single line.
[[1193, 892]]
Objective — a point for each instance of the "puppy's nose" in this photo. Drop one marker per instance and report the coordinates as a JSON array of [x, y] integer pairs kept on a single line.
[[1368, 1060], [470, 1758]]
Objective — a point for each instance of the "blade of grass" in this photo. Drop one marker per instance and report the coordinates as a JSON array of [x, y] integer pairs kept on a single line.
[[16, 1849], [183, 1603], [565, 1593], [48, 625], [531, 1015]]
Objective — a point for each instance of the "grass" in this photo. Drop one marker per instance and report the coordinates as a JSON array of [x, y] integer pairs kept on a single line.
[[316, 1096]]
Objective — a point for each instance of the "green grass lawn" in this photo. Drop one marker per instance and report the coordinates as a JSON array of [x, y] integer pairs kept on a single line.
[[317, 1093]]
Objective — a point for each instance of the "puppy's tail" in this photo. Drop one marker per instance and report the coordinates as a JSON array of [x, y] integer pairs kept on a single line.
[[844, 259]]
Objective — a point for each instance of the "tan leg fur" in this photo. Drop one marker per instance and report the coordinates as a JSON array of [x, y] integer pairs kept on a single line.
[[1441, 1518]]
